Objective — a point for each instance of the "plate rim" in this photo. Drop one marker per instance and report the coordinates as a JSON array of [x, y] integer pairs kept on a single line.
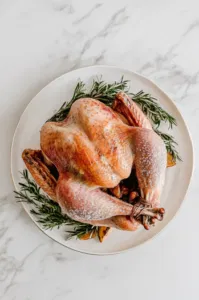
[[191, 158]]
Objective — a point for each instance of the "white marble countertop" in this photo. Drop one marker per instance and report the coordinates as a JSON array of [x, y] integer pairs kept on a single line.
[[43, 39]]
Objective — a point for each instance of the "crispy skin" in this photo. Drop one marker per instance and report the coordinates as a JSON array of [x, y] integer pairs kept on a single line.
[[149, 149], [91, 143], [39, 171], [94, 148], [83, 203]]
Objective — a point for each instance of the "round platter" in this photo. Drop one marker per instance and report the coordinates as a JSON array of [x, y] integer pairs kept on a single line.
[[50, 98]]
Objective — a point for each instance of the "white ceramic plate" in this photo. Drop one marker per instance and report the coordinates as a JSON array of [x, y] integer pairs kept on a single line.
[[50, 98]]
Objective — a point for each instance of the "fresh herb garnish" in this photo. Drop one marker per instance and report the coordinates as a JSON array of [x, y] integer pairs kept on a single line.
[[152, 109], [170, 144]]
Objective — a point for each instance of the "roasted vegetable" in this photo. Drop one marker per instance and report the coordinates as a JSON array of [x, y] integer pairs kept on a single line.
[[89, 235], [125, 190], [103, 232], [116, 191], [132, 196], [170, 160]]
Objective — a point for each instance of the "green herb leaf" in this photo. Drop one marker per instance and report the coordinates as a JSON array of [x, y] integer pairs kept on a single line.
[[152, 109]]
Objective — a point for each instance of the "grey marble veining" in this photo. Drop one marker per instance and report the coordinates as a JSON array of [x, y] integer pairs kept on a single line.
[[41, 40]]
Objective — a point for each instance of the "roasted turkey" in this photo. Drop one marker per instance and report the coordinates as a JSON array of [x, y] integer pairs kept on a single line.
[[95, 148]]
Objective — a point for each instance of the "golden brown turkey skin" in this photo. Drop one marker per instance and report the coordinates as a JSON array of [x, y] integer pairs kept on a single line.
[[94, 148], [92, 143]]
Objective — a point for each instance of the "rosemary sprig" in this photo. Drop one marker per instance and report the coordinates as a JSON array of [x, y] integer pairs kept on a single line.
[[152, 109], [106, 92], [100, 90], [47, 211], [81, 229], [170, 144], [61, 114]]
